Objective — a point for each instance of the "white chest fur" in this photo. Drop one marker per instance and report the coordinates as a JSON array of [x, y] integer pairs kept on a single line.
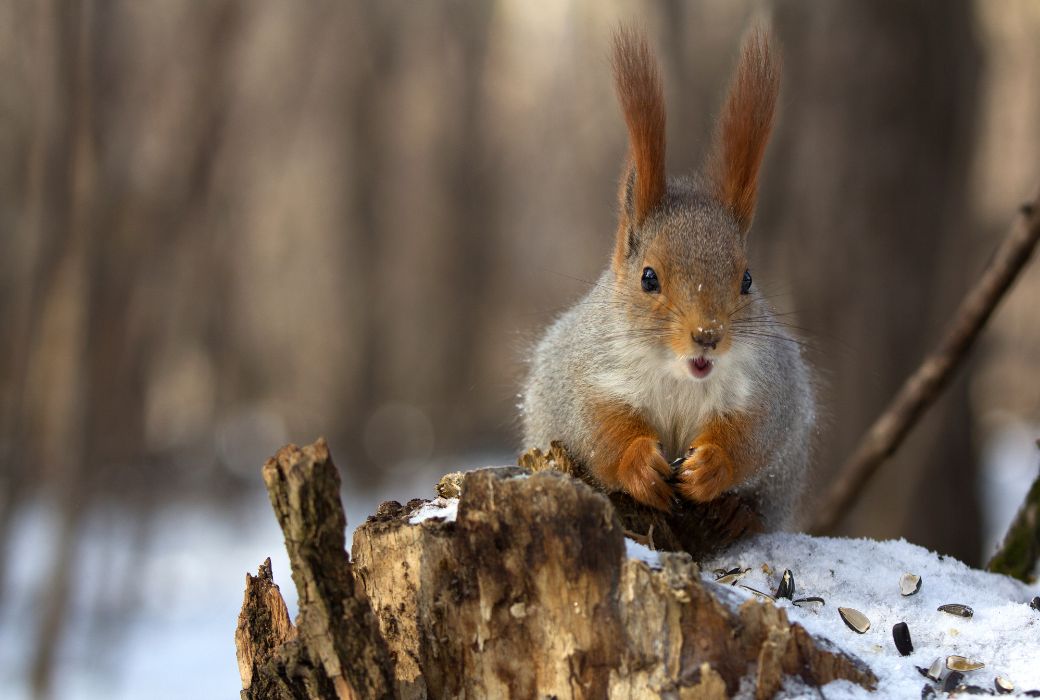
[[668, 397]]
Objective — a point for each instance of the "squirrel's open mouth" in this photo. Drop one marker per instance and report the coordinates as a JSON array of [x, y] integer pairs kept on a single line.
[[700, 367]]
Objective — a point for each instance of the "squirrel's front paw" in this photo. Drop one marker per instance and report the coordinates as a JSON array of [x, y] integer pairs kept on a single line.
[[706, 473], [643, 474]]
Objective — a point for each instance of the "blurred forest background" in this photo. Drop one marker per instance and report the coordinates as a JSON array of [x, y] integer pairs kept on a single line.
[[227, 225]]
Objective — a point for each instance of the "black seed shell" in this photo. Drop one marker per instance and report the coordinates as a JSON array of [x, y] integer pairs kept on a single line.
[[952, 680], [901, 636], [786, 587]]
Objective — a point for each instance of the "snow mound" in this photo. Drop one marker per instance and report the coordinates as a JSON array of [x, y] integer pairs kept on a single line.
[[1003, 633], [637, 550], [446, 509]]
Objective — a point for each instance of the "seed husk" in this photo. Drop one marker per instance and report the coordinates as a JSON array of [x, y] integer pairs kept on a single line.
[[934, 672], [927, 691], [952, 681], [956, 609], [909, 584], [855, 620], [973, 690], [812, 602], [901, 636], [760, 594], [1035, 603], [732, 576], [1003, 685], [962, 663], [786, 587]]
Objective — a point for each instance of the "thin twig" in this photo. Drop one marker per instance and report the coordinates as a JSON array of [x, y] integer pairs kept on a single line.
[[921, 389]]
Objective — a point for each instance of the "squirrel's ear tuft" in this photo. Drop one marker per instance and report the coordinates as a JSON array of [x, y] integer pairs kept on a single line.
[[744, 126], [638, 84]]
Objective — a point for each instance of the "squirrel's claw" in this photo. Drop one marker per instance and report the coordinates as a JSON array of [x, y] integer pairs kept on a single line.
[[643, 474], [705, 474]]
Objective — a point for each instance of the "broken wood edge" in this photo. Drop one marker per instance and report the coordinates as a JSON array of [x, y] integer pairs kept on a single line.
[[271, 661], [336, 628]]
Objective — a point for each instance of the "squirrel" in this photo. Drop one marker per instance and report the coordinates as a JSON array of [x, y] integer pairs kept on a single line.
[[673, 377]]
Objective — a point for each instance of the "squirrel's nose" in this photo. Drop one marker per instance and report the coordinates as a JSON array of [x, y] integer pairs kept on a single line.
[[707, 338]]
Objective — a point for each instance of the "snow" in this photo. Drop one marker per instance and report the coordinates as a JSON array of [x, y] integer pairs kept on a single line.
[[1004, 632], [635, 550], [444, 508]]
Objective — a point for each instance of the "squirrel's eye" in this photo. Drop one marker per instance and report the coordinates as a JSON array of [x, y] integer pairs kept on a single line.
[[650, 281], [745, 286]]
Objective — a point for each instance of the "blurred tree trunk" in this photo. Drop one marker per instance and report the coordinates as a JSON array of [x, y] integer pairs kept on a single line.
[[115, 246], [471, 183], [376, 50], [866, 186]]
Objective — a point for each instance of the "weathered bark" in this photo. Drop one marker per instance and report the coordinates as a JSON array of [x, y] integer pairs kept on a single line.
[[527, 593], [340, 648]]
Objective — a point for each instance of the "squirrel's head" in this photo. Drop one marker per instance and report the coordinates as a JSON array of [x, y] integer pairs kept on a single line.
[[680, 262]]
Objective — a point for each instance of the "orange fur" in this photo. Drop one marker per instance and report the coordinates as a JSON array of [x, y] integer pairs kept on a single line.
[[638, 84], [627, 456], [744, 127], [718, 460]]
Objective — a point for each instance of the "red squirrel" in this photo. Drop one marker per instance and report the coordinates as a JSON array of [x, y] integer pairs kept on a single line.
[[672, 377]]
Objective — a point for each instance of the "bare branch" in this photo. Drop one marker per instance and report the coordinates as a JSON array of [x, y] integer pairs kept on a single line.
[[921, 389]]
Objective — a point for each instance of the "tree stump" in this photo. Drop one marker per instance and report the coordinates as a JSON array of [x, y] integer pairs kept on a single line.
[[526, 593]]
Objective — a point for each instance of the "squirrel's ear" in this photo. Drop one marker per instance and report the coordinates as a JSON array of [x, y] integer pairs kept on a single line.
[[638, 85], [744, 126]]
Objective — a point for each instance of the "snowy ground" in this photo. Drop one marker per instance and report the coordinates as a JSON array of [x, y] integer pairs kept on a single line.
[[1003, 633]]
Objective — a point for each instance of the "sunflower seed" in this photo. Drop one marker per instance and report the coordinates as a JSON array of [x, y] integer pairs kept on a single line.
[[909, 584], [856, 621], [732, 576], [952, 681], [1035, 603], [901, 636], [927, 691], [961, 663], [811, 603], [786, 587], [760, 594], [956, 609], [1003, 685]]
